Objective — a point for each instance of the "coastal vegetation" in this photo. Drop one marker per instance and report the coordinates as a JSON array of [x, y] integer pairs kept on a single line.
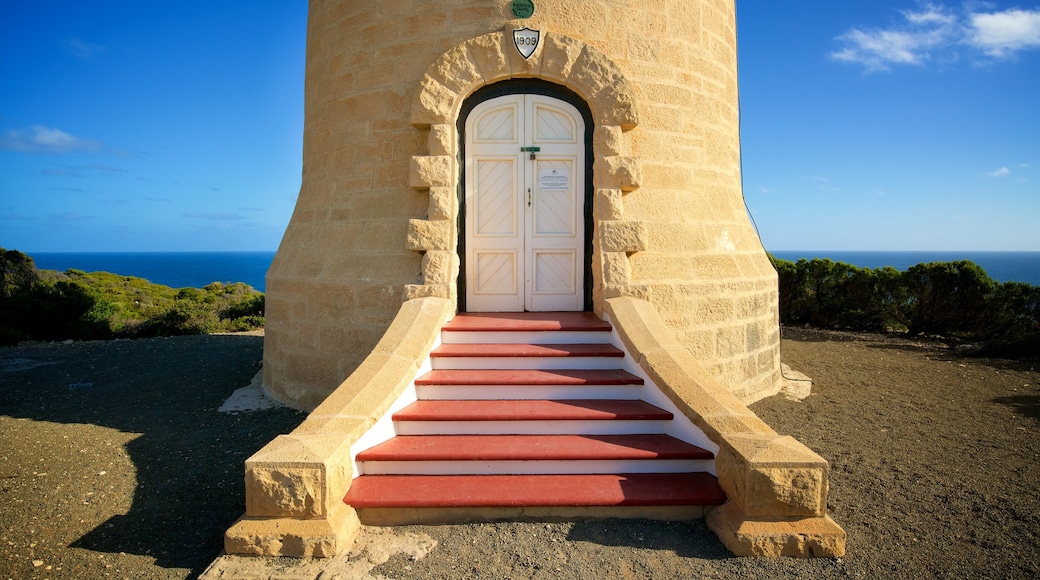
[[956, 301], [51, 305]]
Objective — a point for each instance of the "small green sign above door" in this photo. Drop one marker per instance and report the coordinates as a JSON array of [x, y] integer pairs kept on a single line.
[[522, 8]]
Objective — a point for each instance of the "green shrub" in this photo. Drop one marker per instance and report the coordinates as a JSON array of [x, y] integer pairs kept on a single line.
[[956, 300], [50, 305], [946, 298], [831, 294]]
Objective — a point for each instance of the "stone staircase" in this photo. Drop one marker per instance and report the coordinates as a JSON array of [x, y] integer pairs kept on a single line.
[[531, 415]]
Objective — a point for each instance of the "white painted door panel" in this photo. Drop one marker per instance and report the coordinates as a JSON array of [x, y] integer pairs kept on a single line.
[[524, 217]]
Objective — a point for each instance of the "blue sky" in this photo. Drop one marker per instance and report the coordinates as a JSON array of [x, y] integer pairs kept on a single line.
[[177, 126]]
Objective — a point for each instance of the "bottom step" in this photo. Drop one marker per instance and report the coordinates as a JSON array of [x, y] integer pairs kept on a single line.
[[493, 491]]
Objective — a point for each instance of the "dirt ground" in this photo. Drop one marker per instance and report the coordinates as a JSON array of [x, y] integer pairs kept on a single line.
[[115, 463]]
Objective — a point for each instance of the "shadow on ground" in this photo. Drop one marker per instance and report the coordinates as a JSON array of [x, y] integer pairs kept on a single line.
[[684, 539], [189, 457], [1025, 405]]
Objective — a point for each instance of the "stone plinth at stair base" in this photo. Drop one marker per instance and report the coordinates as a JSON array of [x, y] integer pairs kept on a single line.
[[811, 537], [298, 538]]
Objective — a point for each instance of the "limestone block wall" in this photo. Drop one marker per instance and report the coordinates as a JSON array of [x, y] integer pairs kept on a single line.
[[375, 222]]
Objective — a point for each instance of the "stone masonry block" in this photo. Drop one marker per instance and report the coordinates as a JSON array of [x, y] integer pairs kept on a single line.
[[434, 104], [298, 476], [414, 291], [559, 53], [596, 72], [814, 537], [455, 71], [294, 538], [615, 268], [426, 235], [437, 267], [617, 172], [430, 171], [487, 53], [442, 203], [607, 140], [609, 204], [769, 475], [624, 236], [441, 140]]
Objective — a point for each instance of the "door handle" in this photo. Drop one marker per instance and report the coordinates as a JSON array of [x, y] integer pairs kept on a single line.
[[528, 197]]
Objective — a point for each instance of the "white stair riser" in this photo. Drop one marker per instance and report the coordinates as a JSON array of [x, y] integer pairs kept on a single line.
[[529, 427], [532, 467], [510, 392], [546, 337], [526, 362]]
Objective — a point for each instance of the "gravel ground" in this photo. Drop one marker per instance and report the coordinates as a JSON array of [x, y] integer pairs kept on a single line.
[[115, 463]]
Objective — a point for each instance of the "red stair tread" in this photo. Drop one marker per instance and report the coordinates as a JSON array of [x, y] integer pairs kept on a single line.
[[531, 410], [642, 489], [526, 350], [518, 377], [525, 321], [532, 447]]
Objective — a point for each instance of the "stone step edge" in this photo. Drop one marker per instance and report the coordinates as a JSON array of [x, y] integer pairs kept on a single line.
[[520, 378], [525, 321], [636, 489], [532, 410], [650, 446], [520, 350]]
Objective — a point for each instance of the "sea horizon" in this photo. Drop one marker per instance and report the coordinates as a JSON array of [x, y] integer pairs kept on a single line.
[[192, 269], [180, 269]]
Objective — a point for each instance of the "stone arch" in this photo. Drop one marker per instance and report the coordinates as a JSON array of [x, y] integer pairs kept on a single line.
[[491, 58]]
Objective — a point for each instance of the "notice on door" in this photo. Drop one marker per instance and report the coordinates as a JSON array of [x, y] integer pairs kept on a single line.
[[554, 180]]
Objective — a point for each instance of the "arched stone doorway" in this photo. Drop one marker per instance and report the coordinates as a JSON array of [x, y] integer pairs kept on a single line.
[[489, 66]]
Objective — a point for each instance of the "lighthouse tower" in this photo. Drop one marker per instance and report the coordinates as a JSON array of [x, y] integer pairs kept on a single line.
[[538, 160]]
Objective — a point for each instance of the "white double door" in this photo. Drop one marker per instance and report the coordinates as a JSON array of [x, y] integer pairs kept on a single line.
[[525, 203]]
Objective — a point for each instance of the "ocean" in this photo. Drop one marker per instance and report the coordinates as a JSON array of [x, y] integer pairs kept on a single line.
[[174, 269], [197, 269]]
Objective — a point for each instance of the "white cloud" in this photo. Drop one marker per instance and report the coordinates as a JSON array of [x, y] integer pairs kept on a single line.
[[910, 43], [1001, 34], [999, 172], [931, 14], [878, 48], [84, 50], [40, 139], [937, 33]]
